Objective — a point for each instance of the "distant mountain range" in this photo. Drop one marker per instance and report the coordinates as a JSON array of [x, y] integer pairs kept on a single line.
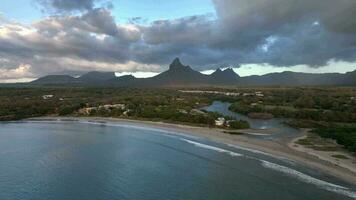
[[180, 75]]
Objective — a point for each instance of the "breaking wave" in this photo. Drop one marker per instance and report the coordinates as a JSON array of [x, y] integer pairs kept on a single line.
[[286, 170], [231, 153], [308, 179]]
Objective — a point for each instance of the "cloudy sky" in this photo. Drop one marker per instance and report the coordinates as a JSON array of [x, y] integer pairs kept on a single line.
[[40, 37]]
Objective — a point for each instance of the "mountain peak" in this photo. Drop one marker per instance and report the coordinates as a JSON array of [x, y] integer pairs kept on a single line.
[[176, 64], [218, 70], [230, 70], [176, 61], [225, 72]]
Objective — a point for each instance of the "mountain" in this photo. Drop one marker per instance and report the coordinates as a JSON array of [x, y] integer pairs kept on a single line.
[[295, 79], [177, 75], [89, 78], [349, 78], [223, 77], [95, 76], [182, 75], [55, 80]]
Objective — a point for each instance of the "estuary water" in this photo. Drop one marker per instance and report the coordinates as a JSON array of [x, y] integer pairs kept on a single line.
[[277, 126], [104, 161]]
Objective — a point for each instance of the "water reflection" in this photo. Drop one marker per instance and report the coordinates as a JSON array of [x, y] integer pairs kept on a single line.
[[276, 125]]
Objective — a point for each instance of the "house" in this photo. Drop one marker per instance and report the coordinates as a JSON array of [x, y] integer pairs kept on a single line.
[[220, 121], [112, 106], [259, 94], [107, 107], [182, 111], [47, 96]]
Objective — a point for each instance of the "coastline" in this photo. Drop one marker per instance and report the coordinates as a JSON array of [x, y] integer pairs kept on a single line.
[[284, 148]]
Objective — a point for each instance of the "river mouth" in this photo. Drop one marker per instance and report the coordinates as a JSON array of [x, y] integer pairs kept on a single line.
[[90, 160], [276, 127]]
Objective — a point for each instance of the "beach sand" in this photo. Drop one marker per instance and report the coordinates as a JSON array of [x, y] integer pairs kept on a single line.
[[284, 147]]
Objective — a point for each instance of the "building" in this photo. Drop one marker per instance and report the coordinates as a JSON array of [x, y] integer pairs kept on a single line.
[[47, 96], [182, 111], [112, 106], [220, 121], [259, 94]]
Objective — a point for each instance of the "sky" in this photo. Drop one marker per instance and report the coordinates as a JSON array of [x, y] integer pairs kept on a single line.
[[255, 37]]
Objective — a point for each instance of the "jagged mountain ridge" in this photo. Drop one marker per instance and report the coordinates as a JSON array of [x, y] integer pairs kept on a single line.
[[181, 75]]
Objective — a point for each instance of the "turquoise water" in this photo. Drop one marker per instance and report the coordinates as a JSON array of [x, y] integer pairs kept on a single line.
[[84, 160], [277, 126]]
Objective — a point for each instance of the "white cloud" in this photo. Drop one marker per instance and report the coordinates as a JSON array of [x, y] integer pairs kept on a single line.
[[22, 71], [137, 74]]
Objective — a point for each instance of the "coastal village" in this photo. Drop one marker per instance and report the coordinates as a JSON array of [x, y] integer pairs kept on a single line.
[[220, 121]]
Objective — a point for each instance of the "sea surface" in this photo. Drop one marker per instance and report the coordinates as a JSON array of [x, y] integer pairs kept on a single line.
[[70, 160]]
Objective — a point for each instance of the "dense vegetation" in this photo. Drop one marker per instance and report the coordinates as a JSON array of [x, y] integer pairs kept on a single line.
[[317, 104], [330, 111], [343, 134], [153, 104], [239, 124]]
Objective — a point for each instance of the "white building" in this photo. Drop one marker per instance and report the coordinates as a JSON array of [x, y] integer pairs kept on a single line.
[[259, 94], [220, 121], [47, 96], [112, 106]]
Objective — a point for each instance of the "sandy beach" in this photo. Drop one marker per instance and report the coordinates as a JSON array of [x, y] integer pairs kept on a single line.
[[285, 148]]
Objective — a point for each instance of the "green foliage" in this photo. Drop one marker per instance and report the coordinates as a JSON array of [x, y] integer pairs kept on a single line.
[[305, 102], [340, 156], [329, 105], [239, 124], [69, 109], [160, 104], [343, 134]]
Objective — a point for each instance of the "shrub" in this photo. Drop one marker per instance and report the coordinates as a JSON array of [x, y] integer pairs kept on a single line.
[[239, 124]]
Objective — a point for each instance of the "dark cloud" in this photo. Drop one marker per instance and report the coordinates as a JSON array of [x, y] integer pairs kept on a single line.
[[62, 6], [277, 32], [305, 31]]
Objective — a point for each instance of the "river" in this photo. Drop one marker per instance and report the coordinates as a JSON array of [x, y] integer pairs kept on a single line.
[[277, 126]]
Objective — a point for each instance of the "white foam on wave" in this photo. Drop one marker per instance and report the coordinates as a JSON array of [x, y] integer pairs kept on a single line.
[[286, 170], [308, 179], [205, 146]]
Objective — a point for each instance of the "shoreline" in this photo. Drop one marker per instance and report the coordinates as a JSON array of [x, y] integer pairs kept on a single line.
[[280, 148]]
